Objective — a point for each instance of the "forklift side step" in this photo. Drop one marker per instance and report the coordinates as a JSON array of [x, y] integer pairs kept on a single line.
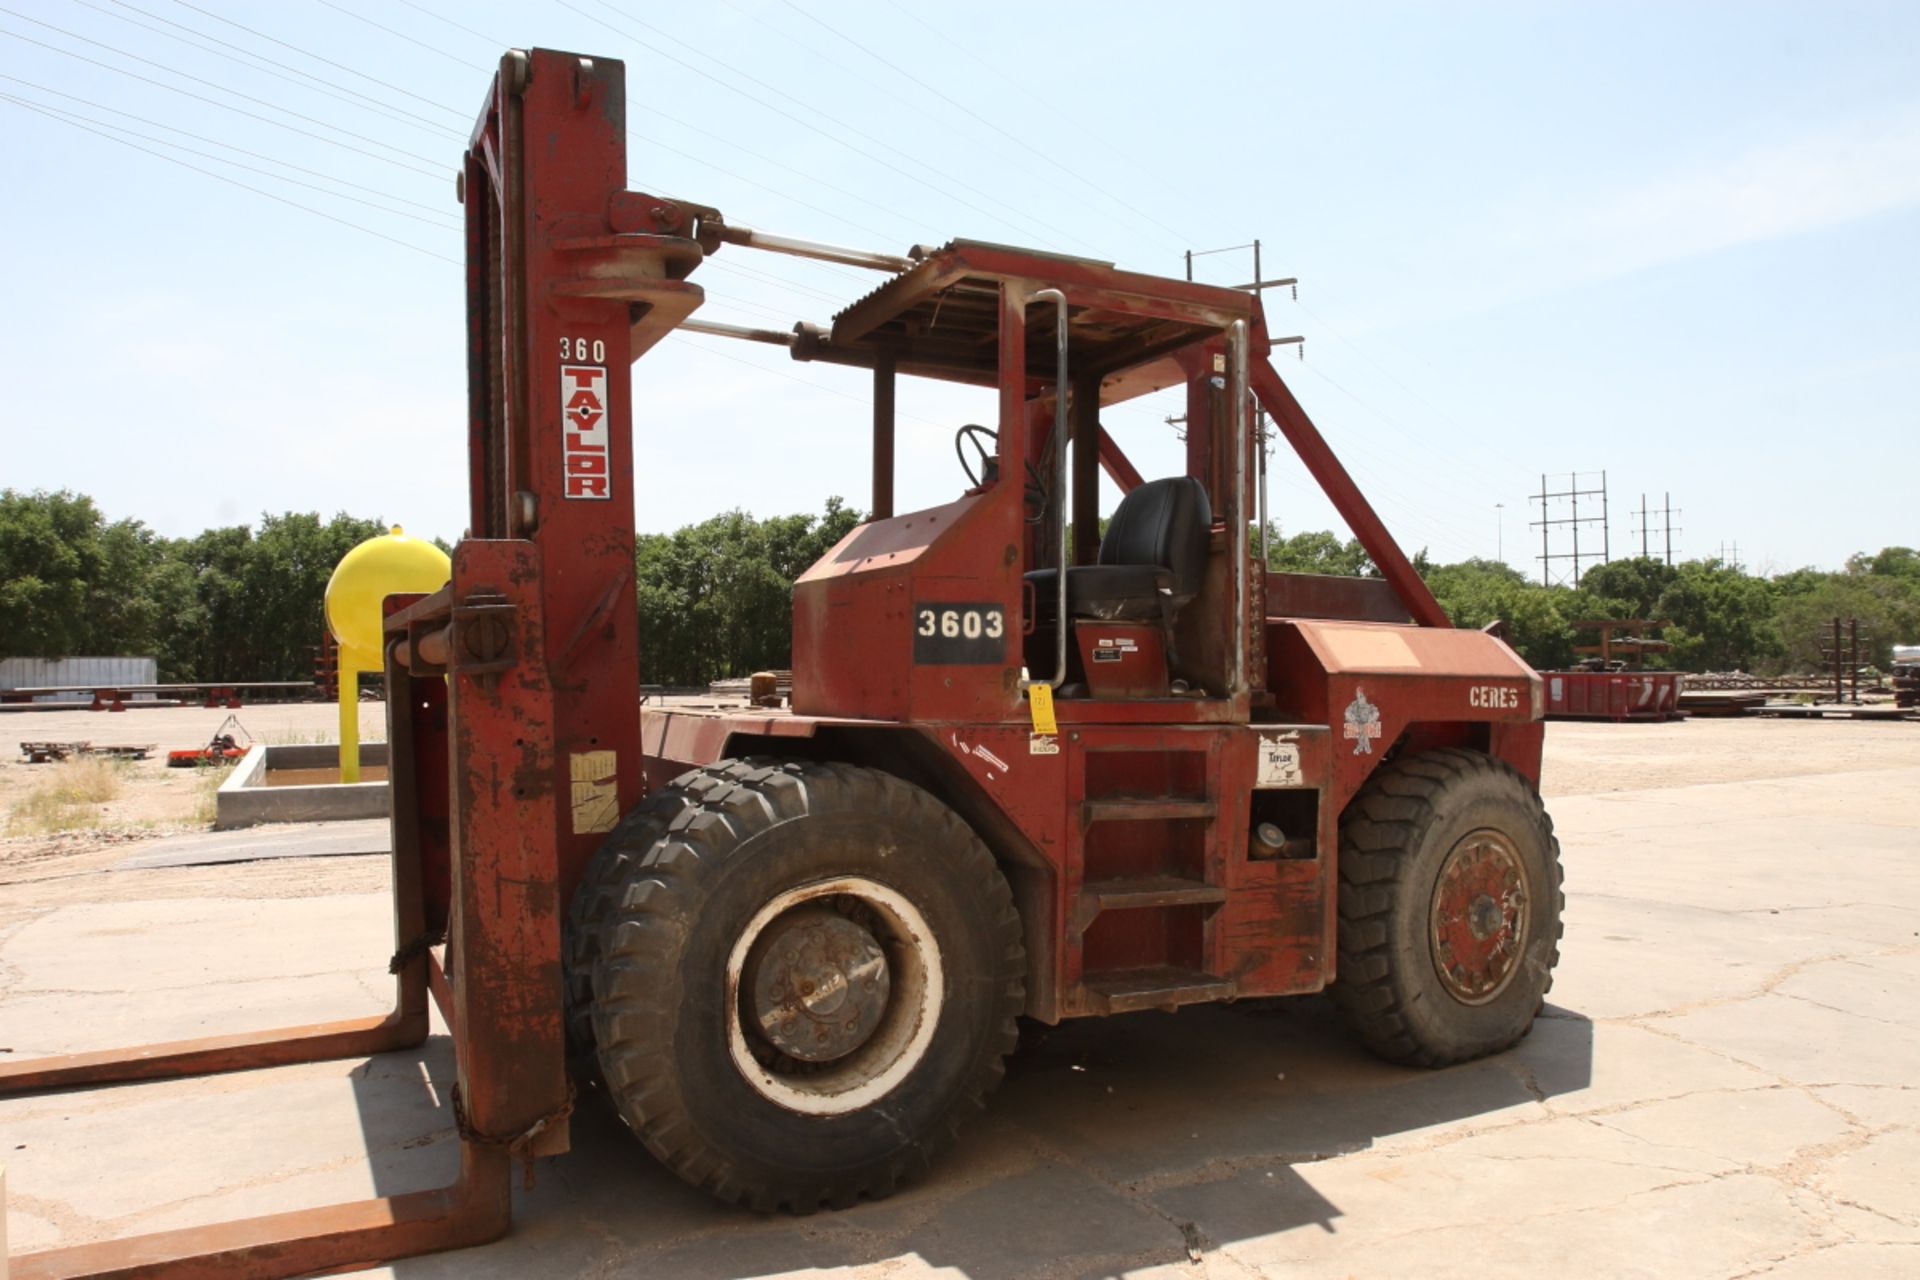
[[1124, 893], [1155, 987], [1145, 810]]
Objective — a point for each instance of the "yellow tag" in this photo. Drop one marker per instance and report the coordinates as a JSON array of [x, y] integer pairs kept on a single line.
[[1040, 707]]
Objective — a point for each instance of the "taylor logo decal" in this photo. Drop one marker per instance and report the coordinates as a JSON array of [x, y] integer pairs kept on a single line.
[[1363, 723], [583, 400]]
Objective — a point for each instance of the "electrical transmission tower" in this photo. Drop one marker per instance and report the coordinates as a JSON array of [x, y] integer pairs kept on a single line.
[[1547, 523], [1666, 513]]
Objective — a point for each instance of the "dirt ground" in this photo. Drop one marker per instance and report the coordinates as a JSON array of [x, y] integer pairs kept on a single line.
[[1582, 758], [153, 800]]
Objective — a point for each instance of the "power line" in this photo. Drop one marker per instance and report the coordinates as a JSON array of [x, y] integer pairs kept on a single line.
[[724, 141], [430, 48], [134, 57], [224, 106], [98, 106], [308, 53], [1389, 374], [220, 177], [352, 97], [715, 264], [687, 341], [1052, 109], [805, 123], [1385, 372], [1053, 164], [443, 222], [75, 120], [457, 26], [1393, 424]]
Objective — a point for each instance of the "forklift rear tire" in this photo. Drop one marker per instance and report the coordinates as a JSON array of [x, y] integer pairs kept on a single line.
[[1450, 906], [806, 984]]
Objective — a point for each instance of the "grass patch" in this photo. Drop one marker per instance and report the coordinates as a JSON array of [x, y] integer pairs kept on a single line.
[[206, 791], [67, 797]]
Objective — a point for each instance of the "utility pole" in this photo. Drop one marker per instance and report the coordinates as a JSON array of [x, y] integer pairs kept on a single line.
[[1258, 286], [1546, 523], [1667, 514], [1606, 530], [1500, 531]]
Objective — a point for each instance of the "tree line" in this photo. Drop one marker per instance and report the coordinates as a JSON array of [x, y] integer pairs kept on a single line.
[[1721, 617], [242, 602]]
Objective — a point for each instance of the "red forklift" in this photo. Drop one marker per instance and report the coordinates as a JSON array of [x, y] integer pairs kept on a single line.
[[1028, 769]]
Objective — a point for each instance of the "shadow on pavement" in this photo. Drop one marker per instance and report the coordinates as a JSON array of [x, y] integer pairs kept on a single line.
[[1064, 1175]]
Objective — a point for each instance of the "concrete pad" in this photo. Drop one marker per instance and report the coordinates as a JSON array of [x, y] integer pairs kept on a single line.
[[1854, 1261], [1876, 987], [1879, 1176], [311, 840], [93, 976], [1762, 1127], [1726, 1082], [1803, 1042], [122, 947], [1516, 1220], [1584, 1067]]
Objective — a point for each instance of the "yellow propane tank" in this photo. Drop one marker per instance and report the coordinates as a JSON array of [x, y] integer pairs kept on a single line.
[[379, 567]]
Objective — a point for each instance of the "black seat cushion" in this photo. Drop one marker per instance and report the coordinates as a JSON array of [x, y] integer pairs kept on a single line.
[[1107, 592], [1164, 523], [1152, 559]]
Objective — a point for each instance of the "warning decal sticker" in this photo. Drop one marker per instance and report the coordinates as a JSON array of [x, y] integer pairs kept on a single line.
[[596, 791]]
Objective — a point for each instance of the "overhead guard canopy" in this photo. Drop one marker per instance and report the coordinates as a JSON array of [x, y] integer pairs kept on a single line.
[[940, 318]]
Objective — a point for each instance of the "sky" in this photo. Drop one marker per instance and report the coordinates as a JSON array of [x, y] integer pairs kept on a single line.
[[1677, 244]]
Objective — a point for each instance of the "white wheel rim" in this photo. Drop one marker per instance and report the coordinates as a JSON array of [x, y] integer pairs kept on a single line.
[[905, 1033]]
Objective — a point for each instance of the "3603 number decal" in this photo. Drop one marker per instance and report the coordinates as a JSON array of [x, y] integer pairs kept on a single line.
[[959, 633]]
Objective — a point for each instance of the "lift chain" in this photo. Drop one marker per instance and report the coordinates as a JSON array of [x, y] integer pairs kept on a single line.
[[415, 949], [514, 1144]]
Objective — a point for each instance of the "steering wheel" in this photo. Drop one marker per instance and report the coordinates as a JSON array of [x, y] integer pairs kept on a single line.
[[979, 437], [986, 443]]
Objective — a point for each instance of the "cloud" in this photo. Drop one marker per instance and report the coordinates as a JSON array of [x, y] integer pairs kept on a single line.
[[1808, 183], [1542, 240]]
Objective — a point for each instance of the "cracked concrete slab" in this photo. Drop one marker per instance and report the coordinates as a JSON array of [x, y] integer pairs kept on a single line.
[[1725, 1083]]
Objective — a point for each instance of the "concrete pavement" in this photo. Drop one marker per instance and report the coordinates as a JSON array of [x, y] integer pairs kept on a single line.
[[1726, 1084]]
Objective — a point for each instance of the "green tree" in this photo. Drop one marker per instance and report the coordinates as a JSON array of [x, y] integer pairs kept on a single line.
[[1887, 607], [1629, 588], [1722, 618], [70, 582], [715, 598], [1316, 551], [1894, 562], [1477, 592]]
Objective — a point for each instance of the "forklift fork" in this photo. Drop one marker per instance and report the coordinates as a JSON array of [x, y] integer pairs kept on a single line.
[[498, 985]]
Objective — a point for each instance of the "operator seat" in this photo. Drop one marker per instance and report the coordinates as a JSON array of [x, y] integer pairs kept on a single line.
[[1152, 560]]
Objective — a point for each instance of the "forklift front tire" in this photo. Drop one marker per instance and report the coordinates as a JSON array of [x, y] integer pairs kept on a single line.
[[1450, 906], [596, 901], [806, 984]]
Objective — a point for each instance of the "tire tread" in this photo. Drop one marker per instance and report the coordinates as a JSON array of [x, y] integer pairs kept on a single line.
[[1381, 826], [639, 902]]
